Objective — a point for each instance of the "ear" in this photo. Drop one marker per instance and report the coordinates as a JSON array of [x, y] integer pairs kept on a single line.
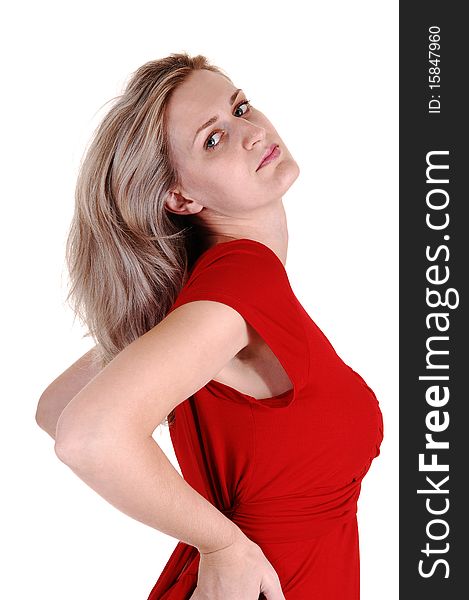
[[179, 205]]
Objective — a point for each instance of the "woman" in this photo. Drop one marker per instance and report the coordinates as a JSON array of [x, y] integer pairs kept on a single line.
[[177, 256]]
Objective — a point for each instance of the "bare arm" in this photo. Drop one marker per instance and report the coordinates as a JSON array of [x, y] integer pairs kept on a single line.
[[59, 393], [105, 433]]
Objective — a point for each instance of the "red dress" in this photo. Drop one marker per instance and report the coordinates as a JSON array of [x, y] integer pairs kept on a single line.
[[286, 469]]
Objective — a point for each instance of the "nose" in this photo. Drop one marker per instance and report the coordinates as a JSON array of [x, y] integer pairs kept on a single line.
[[252, 134]]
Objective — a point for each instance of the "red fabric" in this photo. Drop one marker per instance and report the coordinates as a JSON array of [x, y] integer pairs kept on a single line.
[[287, 469]]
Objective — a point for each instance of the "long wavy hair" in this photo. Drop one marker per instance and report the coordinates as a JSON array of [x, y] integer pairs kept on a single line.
[[127, 256]]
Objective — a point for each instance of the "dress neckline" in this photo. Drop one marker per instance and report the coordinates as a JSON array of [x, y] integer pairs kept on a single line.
[[237, 240]]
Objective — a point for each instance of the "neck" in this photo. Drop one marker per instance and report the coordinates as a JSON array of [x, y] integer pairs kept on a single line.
[[268, 227]]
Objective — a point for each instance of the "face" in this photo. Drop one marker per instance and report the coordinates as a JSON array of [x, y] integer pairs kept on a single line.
[[218, 165]]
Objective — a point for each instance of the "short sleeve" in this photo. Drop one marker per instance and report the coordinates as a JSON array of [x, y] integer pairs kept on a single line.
[[248, 276]]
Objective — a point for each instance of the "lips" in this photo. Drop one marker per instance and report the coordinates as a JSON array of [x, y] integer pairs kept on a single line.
[[266, 154]]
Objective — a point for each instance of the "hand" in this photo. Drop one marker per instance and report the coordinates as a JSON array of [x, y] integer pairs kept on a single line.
[[238, 572]]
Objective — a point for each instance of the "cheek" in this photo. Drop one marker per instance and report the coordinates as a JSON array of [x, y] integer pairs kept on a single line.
[[207, 184], [221, 181], [227, 172], [227, 190]]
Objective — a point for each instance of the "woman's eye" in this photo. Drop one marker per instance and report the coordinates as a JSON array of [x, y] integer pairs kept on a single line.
[[245, 102], [209, 146]]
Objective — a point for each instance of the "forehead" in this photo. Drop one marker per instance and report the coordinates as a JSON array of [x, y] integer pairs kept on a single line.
[[202, 95]]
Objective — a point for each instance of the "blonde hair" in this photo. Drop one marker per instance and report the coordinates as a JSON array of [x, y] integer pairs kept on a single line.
[[127, 256]]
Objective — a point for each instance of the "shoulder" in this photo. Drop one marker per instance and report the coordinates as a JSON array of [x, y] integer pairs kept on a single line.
[[248, 263], [248, 277], [243, 273]]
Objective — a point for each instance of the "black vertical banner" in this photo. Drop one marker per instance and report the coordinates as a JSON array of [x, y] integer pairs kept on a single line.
[[433, 262]]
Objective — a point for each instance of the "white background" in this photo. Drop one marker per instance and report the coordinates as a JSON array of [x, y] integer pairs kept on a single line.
[[325, 74]]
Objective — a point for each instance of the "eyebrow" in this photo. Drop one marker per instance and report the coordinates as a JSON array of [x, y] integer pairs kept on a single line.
[[214, 119]]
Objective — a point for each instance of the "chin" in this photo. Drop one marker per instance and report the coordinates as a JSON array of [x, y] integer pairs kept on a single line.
[[291, 174], [298, 171]]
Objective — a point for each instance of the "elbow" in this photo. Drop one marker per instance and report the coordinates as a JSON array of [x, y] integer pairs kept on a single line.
[[80, 447], [38, 418], [75, 453], [41, 414], [67, 451], [70, 446], [45, 422]]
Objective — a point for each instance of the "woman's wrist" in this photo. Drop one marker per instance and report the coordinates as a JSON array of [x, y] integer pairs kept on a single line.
[[235, 538]]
